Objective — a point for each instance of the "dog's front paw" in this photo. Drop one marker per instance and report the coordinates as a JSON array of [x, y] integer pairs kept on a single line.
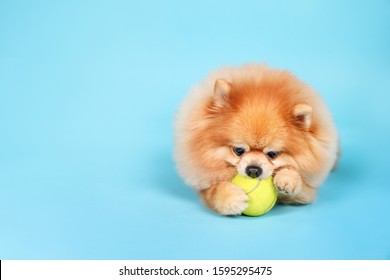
[[226, 199], [288, 181]]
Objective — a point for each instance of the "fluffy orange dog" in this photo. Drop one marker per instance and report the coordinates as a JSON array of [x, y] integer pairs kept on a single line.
[[258, 122]]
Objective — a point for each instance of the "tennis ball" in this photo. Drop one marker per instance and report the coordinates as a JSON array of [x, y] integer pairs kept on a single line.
[[262, 194]]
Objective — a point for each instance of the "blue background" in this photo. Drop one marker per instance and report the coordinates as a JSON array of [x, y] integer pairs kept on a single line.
[[88, 94]]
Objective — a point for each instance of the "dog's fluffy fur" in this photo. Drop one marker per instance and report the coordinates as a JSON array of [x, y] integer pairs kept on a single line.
[[263, 112]]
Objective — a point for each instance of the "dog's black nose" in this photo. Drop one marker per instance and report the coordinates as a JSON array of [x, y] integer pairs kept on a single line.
[[253, 171]]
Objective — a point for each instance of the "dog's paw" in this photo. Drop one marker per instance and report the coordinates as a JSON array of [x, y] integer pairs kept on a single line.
[[229, 199], [232, 201], [288, 182]]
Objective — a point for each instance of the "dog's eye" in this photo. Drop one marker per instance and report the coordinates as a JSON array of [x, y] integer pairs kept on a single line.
[[273, 154], [239, 151]]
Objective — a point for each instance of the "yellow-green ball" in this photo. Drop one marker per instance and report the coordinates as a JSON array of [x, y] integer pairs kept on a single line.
[[262, 194]]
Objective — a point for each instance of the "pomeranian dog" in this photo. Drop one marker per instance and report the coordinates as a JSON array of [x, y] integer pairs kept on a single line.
[[258, 122]]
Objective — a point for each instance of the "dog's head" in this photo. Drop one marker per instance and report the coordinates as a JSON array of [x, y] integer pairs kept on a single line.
[[260, 126]]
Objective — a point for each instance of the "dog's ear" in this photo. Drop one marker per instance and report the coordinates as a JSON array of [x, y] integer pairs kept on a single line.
[[302, 114], [222, 88]]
